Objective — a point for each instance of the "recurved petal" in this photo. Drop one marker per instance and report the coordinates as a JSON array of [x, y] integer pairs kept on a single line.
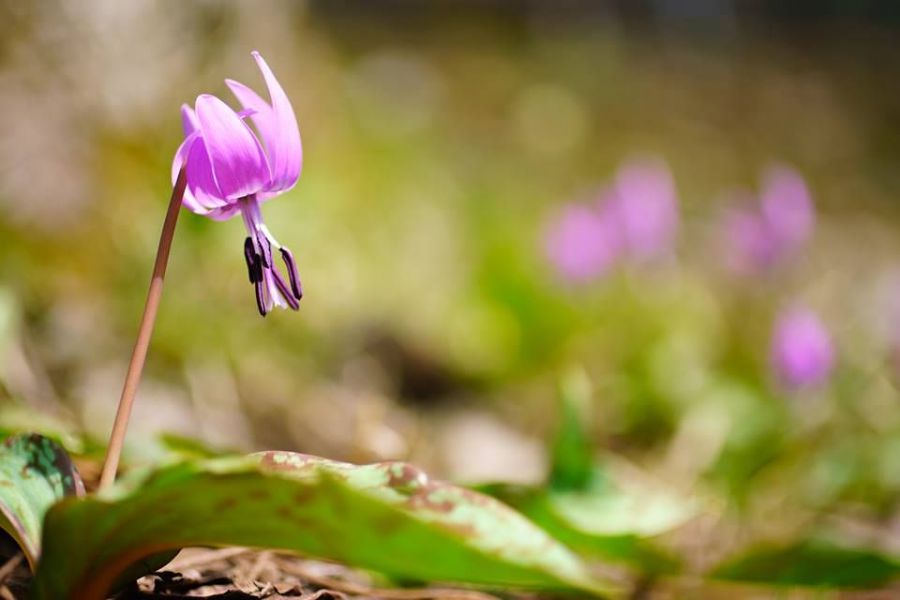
[[181, 154], [210, 204], [263, 116], [238, 163], [190, 203], [180, 160], [282, 135], [201, 185], [189, 120], [225, 212]]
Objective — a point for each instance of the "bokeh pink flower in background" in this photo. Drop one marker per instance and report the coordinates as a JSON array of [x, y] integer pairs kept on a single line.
[[645, 204], [787, 208], [635, 220], [582, 243], [802, 352], [747, 240], [759, 237]]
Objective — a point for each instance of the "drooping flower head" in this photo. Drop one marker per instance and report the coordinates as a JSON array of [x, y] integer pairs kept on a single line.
[[759, 238], [802, 353], [232, 169]]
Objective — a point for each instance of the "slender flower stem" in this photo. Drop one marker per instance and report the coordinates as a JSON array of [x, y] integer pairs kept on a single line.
[[139, 354]]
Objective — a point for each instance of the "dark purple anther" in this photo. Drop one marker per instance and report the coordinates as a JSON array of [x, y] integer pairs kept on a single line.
[[260, 299], [254, 270], [285, 292], [293, 274]]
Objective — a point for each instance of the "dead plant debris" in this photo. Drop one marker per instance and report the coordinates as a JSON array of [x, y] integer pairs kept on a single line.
[[244, 574]]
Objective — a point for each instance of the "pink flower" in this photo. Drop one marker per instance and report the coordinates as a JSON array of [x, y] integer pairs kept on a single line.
[[802, 353], [646, 206], [787, 208], [636, 219], [232, 169], [758, 239], [581, 243], [749, 241]]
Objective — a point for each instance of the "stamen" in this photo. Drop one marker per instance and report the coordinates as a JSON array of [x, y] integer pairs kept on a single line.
[[293, 274], [269, 284], [260, 300], [265, 250], [285, 292], [254, 269]]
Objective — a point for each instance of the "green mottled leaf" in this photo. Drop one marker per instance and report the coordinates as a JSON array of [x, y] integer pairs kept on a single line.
[[16, 419], [35, 472], [387, 517], [810, 563]]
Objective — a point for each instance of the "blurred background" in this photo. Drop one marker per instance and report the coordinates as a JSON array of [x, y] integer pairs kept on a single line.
[[689, 207]]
